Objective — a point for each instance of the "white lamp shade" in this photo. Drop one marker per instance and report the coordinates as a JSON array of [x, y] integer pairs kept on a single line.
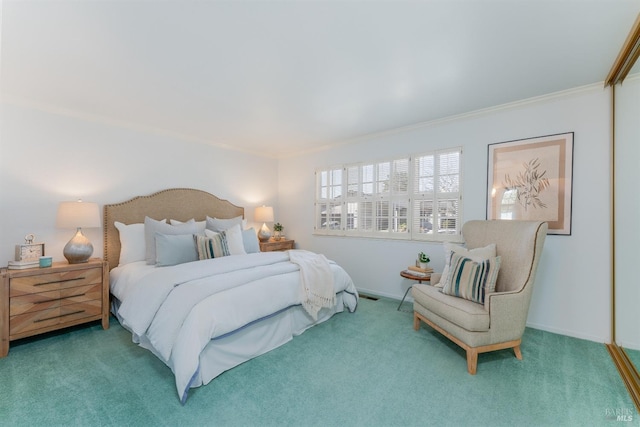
[[264, 214], [78, 214]]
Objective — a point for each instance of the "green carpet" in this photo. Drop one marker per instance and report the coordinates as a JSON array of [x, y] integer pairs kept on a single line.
[[369, 368], [634, 356]]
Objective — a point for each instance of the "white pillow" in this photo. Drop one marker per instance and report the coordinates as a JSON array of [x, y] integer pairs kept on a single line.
[[132, 243], [218, 224], [476, 254], [233, 235], [235, 241], [151, 227], [201, 224]]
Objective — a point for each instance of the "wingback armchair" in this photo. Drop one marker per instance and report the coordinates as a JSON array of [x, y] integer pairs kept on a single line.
[[500, 322]]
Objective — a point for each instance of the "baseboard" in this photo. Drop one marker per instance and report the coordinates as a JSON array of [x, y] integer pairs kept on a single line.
[[383, 295], [573, 334], [559, 331]]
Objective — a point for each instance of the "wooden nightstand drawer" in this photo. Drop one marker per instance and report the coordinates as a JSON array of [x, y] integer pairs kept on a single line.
[[46, 300], [276, 245], [57, 316], [38, 300], [54, 281]]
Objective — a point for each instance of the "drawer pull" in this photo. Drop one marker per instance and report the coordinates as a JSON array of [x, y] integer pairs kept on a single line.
[[61, 298], [59, 281], [55, 317]]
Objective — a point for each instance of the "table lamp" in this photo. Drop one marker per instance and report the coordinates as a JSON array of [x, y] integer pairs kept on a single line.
[[77, 215], [264, 214]]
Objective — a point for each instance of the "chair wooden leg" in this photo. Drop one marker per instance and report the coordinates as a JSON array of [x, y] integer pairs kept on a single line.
[[472, 352], [416, 321], [472, 360], [517, 351]]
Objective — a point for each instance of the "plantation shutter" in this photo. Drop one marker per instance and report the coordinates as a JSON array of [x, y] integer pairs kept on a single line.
[[436, 195], [329, 201], [399, 215], [406, 198]]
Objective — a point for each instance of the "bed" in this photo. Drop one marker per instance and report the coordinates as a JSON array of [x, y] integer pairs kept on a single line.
[[204, 316]]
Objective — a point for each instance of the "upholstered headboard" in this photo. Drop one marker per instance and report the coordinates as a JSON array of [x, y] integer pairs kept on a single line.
[[180, 204]]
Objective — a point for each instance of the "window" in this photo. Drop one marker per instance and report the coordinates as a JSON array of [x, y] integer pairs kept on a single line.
[[406, 198], [437, 194], [329, 200]]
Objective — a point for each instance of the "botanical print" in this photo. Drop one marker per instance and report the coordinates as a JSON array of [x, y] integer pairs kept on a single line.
[[528, 184], [531, 180]]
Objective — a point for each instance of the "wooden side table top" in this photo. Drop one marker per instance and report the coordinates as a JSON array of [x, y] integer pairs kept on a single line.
[[410, 276]]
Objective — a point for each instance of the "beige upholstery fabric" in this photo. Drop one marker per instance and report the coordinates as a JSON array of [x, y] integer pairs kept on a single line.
[[503, 317], [180, 204], [515, 243], [466, 314], [435, 278]]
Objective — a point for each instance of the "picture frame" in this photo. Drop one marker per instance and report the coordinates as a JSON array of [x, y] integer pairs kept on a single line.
[[532, 179]]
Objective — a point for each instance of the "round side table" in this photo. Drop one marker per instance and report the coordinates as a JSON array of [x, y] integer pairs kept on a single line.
[[410, 276]]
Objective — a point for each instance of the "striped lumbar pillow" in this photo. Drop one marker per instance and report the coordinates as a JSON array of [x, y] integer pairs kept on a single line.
[[471, 279], [211, 247]]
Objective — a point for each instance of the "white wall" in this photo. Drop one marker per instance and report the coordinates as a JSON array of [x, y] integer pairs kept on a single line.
[[46, 158], [572, 292]]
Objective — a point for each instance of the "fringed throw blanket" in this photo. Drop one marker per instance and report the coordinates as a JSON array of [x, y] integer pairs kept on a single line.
[[317, 281]]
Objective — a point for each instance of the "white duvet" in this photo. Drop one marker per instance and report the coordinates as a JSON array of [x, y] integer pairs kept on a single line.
[[179, 309]]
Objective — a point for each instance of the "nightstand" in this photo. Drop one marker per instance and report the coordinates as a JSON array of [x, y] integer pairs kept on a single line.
[[276, 245], [38, 300]]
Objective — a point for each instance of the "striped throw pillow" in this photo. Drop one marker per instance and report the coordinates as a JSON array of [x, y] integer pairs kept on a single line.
[[470, 279], [211, 247]]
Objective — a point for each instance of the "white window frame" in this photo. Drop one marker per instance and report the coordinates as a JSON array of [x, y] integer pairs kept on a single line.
[[385, 190], [329, 203], [438, 198], [340, 212]]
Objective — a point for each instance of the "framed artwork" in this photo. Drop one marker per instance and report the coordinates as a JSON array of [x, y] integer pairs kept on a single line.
[[531, 179]]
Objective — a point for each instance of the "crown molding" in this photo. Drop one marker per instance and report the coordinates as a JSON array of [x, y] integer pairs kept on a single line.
[[66, 112], [594, 87], [109, 121]]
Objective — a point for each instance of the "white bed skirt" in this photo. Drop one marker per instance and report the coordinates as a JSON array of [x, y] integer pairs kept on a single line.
[[224, 353]]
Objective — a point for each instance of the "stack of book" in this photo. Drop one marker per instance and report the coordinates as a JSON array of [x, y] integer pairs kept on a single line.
[[419, 272], [21, 265]]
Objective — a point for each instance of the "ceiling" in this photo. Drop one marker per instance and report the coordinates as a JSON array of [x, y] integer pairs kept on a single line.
[[282, 77]]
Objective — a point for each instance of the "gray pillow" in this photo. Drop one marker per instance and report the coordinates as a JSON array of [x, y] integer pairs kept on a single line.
[[218, 225], [172, 250], [151, 227], [250, 240]]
